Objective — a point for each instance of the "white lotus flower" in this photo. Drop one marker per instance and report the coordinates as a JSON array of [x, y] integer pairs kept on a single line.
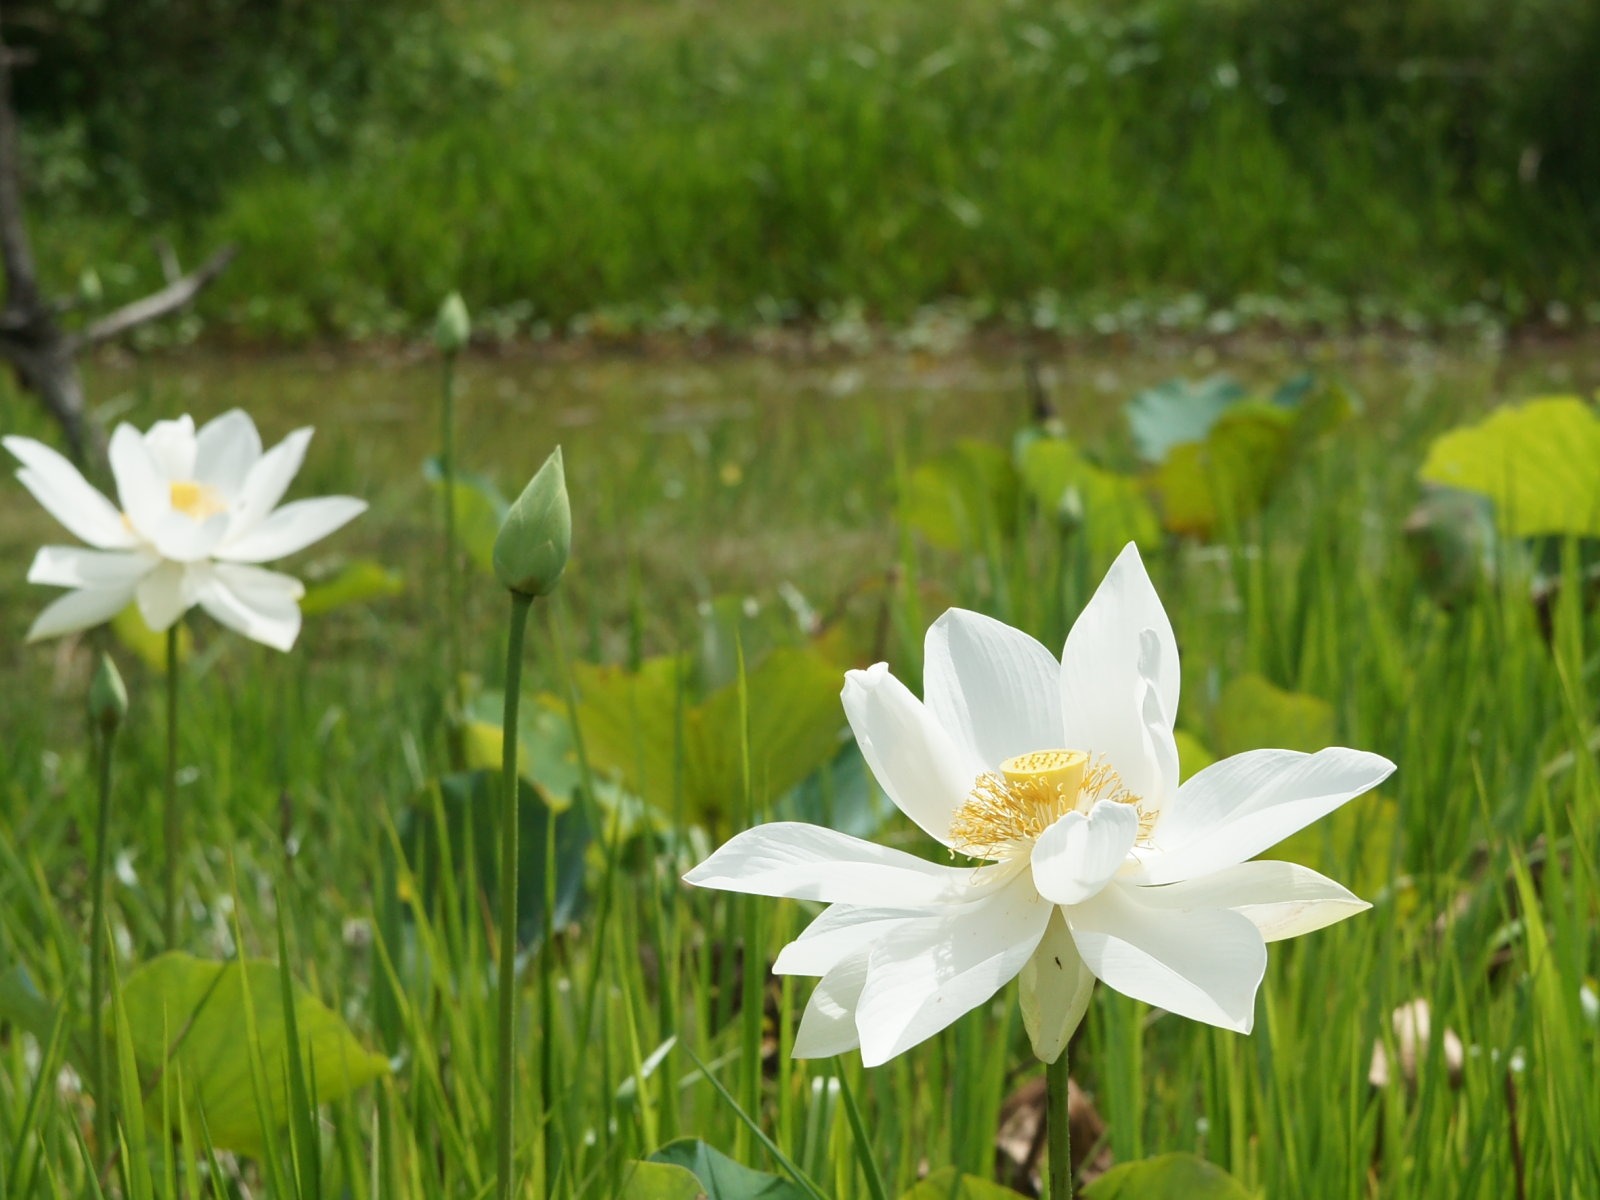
[[198, 512], [1063, 778]]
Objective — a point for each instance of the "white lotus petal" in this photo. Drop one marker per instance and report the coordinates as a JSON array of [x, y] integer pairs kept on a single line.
[[1105, 638], [292, 527], [267, 480], [81, 609], [992, 686], [164, 595], [172, 447], [1116, 677], [937, 968], [225, 450], [807, 862], [911, 755], [828, 1025], [1076, 856], [1235, 809], [1204, 964], [1160, 748], [1281, 899], [842, 930], [145, 493], [262, 605], [1053, 990], [68, 497], [181, 538], [75, 567]]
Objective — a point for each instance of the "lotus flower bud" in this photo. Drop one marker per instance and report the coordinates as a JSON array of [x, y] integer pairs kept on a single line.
[[536, 537], [108, 698], [452, 327]]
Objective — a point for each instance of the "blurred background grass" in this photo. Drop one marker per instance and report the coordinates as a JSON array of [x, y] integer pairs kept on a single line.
[[632, 165]]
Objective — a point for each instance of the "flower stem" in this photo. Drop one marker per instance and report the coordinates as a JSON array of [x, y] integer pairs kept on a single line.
[[507, 883], [452, 563], [171, 817], [99, 947], [1059, 1087]]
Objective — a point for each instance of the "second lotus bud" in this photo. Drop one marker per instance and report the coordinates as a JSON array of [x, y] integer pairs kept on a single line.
[[108, 697], [452, 327]]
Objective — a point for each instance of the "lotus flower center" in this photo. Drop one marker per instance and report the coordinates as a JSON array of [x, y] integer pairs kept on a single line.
[[196, 500], [1007, 810]]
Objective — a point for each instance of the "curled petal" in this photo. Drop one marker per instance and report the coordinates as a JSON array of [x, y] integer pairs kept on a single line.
[[1105, 638], [1054, 990], [292, 527], [828, 1025], [1204, 964], [262, 605], [938, 968], [1076, 856], [68, 497], [1281, 899], [807, 862], [992, 686], [1119, 682], [911, 755], [1235, 809], [81, 609]]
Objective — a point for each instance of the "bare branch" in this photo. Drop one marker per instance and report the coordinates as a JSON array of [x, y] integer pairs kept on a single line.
[[157, 304]]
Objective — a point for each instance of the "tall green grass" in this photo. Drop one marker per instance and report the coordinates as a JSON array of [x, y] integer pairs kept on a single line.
[[1479, 855]]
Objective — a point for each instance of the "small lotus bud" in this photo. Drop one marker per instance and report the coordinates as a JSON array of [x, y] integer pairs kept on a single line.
[[531, 551], [89, 288], [452, 327], [108, 698]]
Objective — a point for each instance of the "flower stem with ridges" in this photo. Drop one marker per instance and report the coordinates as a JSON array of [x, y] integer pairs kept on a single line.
[[507, 883], [1058, 1086], [171, 818], [99, 947], [452, 563]]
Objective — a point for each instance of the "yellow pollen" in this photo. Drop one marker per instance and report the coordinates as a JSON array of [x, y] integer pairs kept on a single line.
[[197, 500], [1007, 810]]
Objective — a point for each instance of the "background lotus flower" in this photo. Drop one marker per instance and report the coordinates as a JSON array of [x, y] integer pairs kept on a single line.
[[198, 511], [1062, 779]]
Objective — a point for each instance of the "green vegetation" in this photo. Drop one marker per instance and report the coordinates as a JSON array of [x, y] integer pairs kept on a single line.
[[625, 167], [341, 824]]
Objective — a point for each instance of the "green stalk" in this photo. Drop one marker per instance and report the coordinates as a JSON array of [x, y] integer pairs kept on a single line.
[[171, 816], [1058, 1088], [99, 947], [452, 561], [520, 604]]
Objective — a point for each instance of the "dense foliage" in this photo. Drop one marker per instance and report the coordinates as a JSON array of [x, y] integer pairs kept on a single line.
[[627, 165]]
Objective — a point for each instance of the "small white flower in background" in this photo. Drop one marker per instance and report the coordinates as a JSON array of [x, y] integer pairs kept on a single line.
[[1063, 777], [198, 511]]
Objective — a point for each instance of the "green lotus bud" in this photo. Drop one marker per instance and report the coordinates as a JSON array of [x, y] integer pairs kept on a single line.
[[531, 551], [452, 327], [108, 698], [89, 289]]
